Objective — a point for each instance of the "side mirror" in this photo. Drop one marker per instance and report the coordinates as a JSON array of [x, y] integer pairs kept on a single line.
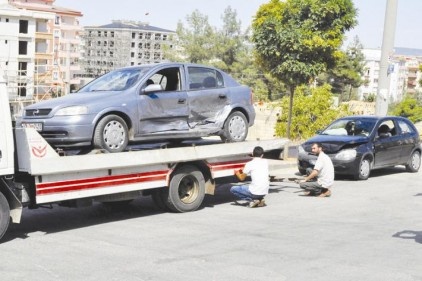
[[153, 88]]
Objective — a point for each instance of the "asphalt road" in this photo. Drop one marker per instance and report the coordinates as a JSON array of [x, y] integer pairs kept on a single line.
[[367, 230]]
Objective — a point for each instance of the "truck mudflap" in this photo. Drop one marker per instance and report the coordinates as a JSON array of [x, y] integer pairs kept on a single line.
[[15, 204]]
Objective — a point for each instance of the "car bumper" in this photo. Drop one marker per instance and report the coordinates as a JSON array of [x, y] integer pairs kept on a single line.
[[340, 167], [66, 130]]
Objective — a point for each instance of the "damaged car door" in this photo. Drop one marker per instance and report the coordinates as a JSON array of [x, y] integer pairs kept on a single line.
[[162, 104], [209, 102]]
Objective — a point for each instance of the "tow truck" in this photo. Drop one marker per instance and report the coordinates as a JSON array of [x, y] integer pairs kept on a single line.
[[33, 174]]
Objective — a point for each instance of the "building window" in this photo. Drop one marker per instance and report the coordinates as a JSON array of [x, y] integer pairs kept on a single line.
[[133, 44], [133, 35], [57, 20], [22, 89], [132, 54], [23, 67], [23, 26], [23, 47]]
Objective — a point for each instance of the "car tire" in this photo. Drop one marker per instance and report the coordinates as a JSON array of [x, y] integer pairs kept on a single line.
[[235, 128], [364, 169], [414, 162], [111, 134], [186, 190]]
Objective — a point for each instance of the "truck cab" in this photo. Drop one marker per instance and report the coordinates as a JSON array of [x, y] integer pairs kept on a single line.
[[6, 134]]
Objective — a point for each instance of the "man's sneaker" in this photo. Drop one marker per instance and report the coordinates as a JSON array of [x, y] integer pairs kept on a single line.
[[254, 203], [325, 194], [261, 203]]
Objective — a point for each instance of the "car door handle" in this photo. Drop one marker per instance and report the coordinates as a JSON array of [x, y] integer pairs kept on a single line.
[[181, 101], [222, 96]]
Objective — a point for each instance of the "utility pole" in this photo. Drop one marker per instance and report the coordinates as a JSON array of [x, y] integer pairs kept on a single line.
[[383, 93]]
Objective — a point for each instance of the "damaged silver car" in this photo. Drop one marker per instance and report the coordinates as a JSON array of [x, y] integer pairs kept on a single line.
[[146, 103]]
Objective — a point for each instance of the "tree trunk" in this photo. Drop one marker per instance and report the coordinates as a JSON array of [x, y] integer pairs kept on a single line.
[[289, 120]]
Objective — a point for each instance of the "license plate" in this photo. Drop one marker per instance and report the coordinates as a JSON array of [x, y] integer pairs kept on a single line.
[[36, 126]]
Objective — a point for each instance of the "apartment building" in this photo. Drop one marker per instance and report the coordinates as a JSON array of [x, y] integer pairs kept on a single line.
[[41, 59], [123, 43], [22, 34], [403, 73]]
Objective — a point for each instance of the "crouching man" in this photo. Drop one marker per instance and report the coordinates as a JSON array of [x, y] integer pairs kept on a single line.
[[255, 192], [321, 178]]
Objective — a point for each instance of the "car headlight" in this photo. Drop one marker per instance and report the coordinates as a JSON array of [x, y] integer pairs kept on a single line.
[[72, 110], [346, 155], [301, 150]]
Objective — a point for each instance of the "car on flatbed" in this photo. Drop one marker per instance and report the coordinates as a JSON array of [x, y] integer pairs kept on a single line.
[[165, 101], [359, 144]]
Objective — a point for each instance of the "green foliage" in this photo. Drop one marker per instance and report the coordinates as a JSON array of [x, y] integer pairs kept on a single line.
[[409, 108], [347, 73], [313, 111], [296, 40], [228, 48]]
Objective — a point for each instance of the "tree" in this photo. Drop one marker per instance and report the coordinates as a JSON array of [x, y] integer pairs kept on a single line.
[[347, 72], [295, 40], [313, 111], [196, 42], [409, 108]]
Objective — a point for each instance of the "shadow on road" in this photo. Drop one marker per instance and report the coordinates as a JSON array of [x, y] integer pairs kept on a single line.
[[410, 234]]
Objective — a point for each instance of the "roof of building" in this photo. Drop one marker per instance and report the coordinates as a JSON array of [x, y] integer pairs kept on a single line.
[[118, 24], [46, 8]]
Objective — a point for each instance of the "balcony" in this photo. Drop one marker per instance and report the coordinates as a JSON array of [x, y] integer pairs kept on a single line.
[[72, 27], [43, 56], [44, 35]]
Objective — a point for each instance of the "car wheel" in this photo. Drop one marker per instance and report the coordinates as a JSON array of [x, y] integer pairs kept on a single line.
[[414, 162], [364, 170], [235, 128], [111, 134]]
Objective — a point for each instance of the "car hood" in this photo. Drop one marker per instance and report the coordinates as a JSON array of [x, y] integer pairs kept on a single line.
[[333, 144], [85, 98]]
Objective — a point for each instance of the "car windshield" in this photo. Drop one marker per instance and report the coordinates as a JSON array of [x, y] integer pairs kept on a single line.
[[350, 127], [117, 80]]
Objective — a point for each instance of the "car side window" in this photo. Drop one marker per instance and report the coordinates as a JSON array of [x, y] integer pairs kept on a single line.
[[405, 128], [204, 78], [387, 129], [168, 78]]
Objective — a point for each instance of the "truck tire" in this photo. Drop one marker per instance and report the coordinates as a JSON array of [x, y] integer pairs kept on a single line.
[[4, 215], [187, 190], [235, 128], [111, 134]]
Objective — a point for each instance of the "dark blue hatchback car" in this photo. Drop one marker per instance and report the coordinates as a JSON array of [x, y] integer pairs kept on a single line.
[[359, 144]]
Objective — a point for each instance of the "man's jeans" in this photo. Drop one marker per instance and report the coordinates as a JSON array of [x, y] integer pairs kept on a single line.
[[242, 192], [313, 186]]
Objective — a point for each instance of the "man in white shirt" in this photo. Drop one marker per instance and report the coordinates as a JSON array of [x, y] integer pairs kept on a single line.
[[257, 168], [323, 172]]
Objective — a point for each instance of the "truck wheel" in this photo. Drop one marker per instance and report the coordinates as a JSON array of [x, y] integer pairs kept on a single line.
[[187, 190], [364, 170], [235, 128], [414, 162], [111, 134], [4, 215]]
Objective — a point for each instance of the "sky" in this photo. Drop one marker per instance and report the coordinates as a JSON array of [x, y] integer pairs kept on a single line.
[[167, 13]]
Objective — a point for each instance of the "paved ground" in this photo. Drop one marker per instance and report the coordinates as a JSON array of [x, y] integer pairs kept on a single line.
[[368, 230]]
